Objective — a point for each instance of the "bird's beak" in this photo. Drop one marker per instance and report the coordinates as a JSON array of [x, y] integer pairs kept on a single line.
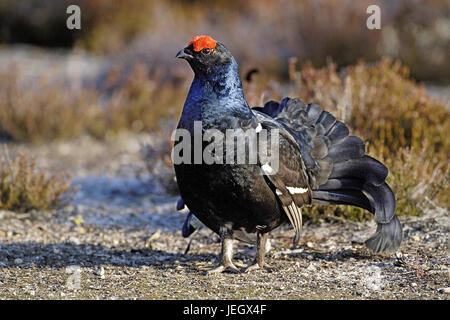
[[184, 55]]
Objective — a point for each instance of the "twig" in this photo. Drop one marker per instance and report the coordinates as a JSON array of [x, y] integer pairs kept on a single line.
[[288, 252]]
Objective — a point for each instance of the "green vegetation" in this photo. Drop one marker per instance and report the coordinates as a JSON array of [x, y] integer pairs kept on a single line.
[[23, 187]]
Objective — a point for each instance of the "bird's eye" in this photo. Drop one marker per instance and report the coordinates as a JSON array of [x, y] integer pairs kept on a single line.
[[206, 50]]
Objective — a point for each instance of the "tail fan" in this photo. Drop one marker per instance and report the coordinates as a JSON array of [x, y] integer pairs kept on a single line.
[[338, 169]]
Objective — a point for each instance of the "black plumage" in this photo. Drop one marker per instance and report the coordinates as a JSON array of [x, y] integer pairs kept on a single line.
[[318, 162]]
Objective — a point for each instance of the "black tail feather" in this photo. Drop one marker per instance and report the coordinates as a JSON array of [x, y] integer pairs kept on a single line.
[[313, 112], [326, 120], [343, 196], [379, 200], [388, 236], [365, 168], [352, 147], [383, 200], [339, 170], [355, 178], [337, 132]]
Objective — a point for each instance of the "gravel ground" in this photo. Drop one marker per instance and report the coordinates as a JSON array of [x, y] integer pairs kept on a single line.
[[121, 239]]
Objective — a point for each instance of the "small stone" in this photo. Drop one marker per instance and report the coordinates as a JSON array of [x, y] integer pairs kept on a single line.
[[4, 214], [444, 290], [414, 284], [69, 208], [415, 238], [154, 236], [310, 244], [100, 272], [18, 261], [80, 208], [74, 240], [374, 287], [311, 267]]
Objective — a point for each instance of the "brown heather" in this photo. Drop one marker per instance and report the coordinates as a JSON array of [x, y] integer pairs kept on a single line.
[[44, 111], [403, 126], [24, 188]]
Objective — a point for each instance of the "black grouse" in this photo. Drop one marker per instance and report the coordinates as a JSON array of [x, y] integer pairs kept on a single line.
[[318, 162]]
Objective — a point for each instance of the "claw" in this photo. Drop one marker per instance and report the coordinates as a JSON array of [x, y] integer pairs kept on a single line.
[[240, 265], [226, 256], [256, 266], [222, 268], [252, 267], [259, 263]]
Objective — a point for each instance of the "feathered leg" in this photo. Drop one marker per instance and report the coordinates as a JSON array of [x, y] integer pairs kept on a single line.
[[259, 262], [226, 256]]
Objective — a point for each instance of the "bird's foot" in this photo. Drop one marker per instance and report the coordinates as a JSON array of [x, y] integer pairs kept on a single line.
[[240, 265], [257, 266], [229, 267]]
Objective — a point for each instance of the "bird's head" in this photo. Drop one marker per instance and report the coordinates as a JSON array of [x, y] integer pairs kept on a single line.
[[205, 55]]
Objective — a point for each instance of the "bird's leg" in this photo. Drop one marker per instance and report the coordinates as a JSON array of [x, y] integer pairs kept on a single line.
[[226, 256], [261, 244]]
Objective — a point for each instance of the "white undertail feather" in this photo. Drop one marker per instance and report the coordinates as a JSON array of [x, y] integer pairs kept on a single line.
[[294, 190], [267, 169]]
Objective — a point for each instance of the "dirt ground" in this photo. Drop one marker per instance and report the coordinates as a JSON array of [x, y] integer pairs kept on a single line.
[[120, 239]]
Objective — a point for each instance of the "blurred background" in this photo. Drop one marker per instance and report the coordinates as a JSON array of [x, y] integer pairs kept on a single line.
[[71, 97]]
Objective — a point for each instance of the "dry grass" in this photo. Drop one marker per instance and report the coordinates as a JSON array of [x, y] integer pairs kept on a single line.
[[380, 103], [157, 158], [418, 182], [44, 111], [24, 188], [404, 127]]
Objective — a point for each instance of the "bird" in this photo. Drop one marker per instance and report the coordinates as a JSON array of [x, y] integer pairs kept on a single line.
[[319, 162]]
